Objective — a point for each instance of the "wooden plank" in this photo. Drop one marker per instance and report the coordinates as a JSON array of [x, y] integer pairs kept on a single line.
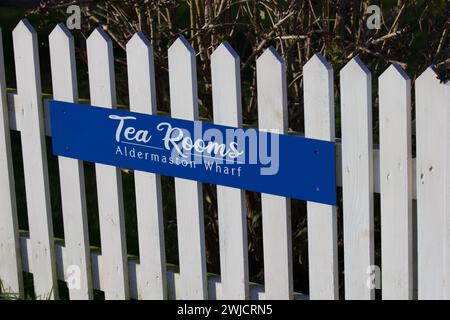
[[231, 204], [276, 210], [152, 256], [433, 215], [173, 280], [357, 178], [71, 172], [396, 181], [189, 195], [26, 58], [10, 272], [109, 180], [318, 91]]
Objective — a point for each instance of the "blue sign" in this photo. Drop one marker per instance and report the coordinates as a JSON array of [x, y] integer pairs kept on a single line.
[[250, 159]]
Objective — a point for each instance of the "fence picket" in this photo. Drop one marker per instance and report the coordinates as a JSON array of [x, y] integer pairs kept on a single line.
[[231, 204], [276, 211], [395, 180], [10, 272], [357, 177], [433, 215], [322, 222], [189, 195], [26, 58], [109, 179], [152, 257], [73, 198]]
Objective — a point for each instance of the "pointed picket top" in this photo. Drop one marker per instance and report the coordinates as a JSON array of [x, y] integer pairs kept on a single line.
[[272, 90], [141, 74], [100, 58], [183, 80], [429, 75], [355, 66], [318, 76], [270, 56], [138, 40], [99, 37], [26, 60], [226, 85], [60, 33], [318, 98], [62, 57], [24, 28], [224, 51], [181, 46], [394, 72], [25, 43], [317, 62], [429, 79]]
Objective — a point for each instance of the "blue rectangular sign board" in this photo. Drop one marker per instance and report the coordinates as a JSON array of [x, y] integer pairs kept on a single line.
[[250, 159]]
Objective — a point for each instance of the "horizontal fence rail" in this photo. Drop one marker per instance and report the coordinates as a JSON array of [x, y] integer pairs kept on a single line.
[[414, 192]]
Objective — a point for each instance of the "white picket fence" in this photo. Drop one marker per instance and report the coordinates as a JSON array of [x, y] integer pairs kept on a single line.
[[412, 267]]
